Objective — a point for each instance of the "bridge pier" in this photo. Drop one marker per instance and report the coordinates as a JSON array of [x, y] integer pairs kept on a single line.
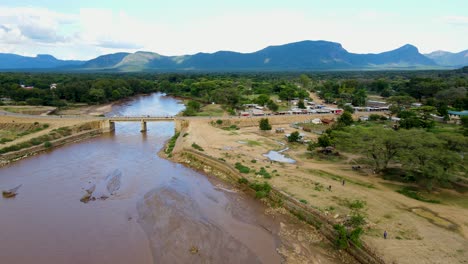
[[143, 126], [107, 126]]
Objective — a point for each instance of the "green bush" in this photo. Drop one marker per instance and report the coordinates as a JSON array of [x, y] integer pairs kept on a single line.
[[264, 124], [264, 173], [356, 220], [219, 122], [341, 241], [197, 147], [243, 181], [47, 144], [408, 192], [261, 189], [260, 194], [171, 143], [344, 236], [241, 168], [356, 204], [294, 137], [303, 201]]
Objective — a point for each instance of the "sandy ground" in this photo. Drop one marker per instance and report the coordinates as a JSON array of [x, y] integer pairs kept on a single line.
[[419, 232]]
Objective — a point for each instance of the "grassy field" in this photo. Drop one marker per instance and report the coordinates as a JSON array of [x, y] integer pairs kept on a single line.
[[211, 110], [12, 131]]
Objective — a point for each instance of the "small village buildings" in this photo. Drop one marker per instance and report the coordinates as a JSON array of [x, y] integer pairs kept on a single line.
[[455, 116]]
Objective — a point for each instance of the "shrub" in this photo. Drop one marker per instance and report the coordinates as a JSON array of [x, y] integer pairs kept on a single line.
[[356, 204], [219, 122], [264, 124], [243, 181], [343, 236], [241, 168], [408, 192], [260, 194], [197, 147], [303, 201], [264, 173], [294, 137], [253, 161], [171, 144], [47, 144], [356, 220]]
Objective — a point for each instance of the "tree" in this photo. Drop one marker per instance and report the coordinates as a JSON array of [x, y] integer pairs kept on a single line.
[[301, 104], [262, 99], [346, 119], [97, 95], [324, 141], [427, 159], [294, 137], [194, 105], [272, 106], [264, 124], [379, 145], [305, 81]]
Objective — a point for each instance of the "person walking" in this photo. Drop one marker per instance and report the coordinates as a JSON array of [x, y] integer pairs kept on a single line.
[[343, 182], [385, 234]]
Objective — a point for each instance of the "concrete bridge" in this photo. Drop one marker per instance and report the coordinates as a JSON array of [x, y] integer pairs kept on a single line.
[[109, 122]]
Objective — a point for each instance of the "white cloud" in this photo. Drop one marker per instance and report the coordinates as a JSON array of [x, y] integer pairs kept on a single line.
[[37, 24]]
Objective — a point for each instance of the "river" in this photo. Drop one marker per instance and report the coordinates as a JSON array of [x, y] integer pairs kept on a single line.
[[162, 213]]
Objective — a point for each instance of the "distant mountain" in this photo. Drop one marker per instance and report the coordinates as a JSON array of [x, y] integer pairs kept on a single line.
[[105, 61], [13, 61], [446, 58], [299, 56]]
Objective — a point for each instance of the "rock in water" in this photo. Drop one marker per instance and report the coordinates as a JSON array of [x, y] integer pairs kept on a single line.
[[113, 181], [12, 192]]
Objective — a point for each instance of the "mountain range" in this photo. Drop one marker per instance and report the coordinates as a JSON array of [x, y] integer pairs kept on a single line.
[[299, 56]]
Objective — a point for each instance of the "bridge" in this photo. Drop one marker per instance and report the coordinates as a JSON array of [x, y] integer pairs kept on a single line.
[[143, 119]]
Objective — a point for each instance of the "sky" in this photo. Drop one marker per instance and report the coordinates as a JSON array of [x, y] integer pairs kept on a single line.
[[84, 29]]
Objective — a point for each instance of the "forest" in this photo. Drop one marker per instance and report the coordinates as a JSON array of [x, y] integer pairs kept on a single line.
[[443, 90]]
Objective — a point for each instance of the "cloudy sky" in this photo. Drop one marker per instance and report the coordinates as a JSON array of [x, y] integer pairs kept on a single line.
[[85, 29]]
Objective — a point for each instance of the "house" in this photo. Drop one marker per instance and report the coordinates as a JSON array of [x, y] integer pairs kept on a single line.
[[279, 130], [373, 103], [416, 104], [26, 87], [316, 121], [257, 112], [455, 116], [244, 114], [336, 111], [53, 86]]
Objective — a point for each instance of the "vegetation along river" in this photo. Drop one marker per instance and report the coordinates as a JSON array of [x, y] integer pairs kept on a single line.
[[160, 212]]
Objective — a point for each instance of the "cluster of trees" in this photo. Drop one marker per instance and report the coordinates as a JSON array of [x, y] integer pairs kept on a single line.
[[231, 90], [75, 88], [420, 155]]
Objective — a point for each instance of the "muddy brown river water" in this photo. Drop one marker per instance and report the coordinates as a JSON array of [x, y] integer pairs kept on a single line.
[[162, 212]]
